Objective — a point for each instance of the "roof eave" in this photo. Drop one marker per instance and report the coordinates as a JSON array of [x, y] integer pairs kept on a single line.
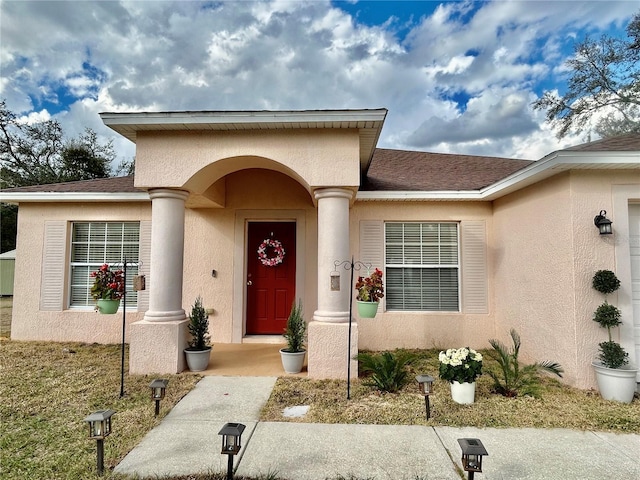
[[73, 197]]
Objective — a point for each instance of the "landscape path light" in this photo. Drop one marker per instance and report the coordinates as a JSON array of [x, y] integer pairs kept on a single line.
[[231, 443], [100, 427], [472, 453], [158, 388], [425, 383]]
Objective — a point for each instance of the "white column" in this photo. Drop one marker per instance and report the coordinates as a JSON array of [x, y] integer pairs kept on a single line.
[[328, 336], [333, 245], [167, 252]]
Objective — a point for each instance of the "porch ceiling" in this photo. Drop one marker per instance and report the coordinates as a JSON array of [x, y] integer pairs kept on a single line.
[[368, 122]]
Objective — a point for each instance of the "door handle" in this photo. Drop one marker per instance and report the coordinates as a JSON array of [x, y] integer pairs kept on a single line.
[[249, 283]]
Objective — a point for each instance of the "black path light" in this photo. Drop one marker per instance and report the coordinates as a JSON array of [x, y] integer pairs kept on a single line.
[[472, 453], [231, 443], [425, 383], [158, 387], [603, 223], [100, 427]]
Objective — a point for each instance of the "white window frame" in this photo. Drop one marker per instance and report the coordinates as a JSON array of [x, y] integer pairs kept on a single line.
[[409, 261], [99, 248]]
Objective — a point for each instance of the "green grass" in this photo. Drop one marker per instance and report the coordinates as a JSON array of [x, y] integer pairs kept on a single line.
[[558, 407], [47, 389]]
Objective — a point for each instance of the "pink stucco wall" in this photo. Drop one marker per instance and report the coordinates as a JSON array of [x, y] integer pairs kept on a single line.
[[77, 325], [546, 250]]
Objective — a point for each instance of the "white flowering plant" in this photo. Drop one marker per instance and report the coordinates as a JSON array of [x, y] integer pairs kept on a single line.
[[461, 365]]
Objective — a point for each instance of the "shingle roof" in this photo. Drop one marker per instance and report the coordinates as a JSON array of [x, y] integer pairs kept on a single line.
[[422, 171], [97, 185], [622, 143]]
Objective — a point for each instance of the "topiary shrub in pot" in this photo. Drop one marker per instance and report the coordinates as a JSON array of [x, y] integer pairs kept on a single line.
[[199, 350], [295, 333], [615, 376]]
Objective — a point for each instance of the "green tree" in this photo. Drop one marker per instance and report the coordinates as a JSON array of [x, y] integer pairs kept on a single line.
[[39, 154], [605, 77]]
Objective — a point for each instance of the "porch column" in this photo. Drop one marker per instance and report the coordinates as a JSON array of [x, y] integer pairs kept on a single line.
[[157, 342], [328, 338]]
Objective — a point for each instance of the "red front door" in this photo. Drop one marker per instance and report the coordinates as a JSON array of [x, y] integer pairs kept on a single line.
[[270, 283]]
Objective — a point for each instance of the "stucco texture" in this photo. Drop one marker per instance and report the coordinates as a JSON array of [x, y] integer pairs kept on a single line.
[[76, 325], [546, 250]]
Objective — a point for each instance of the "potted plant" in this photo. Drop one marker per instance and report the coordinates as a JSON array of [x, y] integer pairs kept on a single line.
[[461, 367], [295, 332], [199, 349], [615, 376], [107, 289], [370, 291]]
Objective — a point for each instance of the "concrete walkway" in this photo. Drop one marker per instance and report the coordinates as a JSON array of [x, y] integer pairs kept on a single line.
[[187, 442]]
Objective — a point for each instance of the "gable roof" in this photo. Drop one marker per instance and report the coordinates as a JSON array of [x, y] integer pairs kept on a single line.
[[411, 171], [397, 175]]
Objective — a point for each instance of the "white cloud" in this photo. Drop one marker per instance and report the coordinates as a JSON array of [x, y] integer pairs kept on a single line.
[[156, 55]]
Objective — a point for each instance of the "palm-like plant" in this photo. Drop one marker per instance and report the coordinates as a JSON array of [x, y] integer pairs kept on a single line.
[[388, 370], [512, 379]]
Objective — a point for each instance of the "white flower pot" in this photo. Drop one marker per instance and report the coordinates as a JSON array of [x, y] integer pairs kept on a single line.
[[292, 362], [464, 393], [617, 384], [197, 360]]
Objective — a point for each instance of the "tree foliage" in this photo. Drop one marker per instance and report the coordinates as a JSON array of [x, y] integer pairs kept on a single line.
[[604, 78], [38, 153]]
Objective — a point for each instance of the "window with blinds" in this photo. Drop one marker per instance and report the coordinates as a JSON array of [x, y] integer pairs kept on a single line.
[[96, 243], [422, 267]]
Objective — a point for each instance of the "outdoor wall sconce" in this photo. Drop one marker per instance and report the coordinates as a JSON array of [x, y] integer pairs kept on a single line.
[[100, 427], [425, 384], [603, 223], [158, 387], [472, 453], [231, 443]]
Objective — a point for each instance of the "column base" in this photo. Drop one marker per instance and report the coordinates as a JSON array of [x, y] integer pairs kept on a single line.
[[328, 344], [157, 347]]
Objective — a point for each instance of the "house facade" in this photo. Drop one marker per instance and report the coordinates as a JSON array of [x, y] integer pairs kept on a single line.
[[469, 246]]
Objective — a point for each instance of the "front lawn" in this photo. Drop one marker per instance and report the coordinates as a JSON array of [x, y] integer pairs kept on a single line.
[[559, 406]]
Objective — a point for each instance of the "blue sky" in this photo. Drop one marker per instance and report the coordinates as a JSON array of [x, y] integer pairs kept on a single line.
[[456, 76]]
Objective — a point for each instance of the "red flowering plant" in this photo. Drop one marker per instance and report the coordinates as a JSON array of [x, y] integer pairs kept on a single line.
[[370, 289], [108, 284]]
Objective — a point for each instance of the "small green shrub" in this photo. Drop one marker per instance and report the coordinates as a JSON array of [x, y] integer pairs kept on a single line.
[[612, 355], [605, 282], [296, 329], [388, 370], [199, 326], [607, 316], [513, 380]]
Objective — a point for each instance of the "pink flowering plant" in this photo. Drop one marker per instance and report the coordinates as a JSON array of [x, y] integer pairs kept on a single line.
[[107, 284], [461, 365], [370, 289]]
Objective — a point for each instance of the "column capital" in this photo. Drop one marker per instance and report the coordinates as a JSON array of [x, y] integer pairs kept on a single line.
[[168, 193], [334, 192]]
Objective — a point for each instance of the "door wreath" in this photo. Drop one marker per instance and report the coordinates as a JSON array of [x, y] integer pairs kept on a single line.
[[277, 248]]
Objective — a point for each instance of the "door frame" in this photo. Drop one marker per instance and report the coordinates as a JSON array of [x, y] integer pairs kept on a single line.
[[242, 219]]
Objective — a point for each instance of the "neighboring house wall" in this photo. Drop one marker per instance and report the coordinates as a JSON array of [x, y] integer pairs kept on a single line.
[[7, 272], [57, 322], [547, 250], [471, 326]]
